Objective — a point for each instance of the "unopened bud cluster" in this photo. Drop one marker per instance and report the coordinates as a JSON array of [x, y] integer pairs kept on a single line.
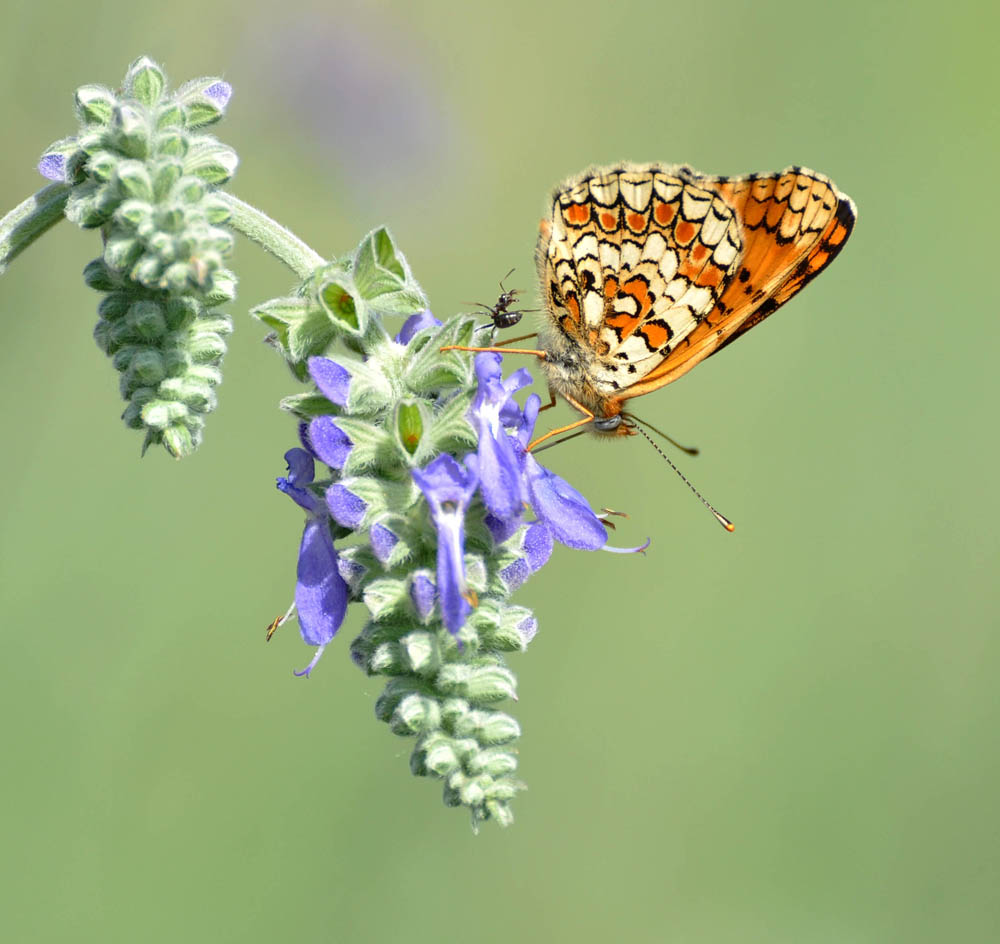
[[143, 172]]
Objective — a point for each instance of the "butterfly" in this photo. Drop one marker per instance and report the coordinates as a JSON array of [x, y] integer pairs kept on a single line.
[[647, 269]]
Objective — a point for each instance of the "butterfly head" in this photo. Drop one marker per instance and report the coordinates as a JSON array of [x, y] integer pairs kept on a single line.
[[618, 424]]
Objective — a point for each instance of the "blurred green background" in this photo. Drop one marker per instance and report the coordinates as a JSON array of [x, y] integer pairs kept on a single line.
[[787, 734]]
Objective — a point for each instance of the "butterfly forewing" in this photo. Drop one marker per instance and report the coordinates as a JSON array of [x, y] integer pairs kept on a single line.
[[632, 260]]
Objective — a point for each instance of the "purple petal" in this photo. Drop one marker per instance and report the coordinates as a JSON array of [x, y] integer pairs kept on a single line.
[[502, 528], [513, 575], [300, 473], [527, 628], [332, 380], [346, 508], [527, 426], [413, 324], [422, 594], [563, 509], [351, 571], [444, 480], [451, 572], [219, 92], [499, 474], [320, 591], [383, 541], [304, 438], [53, 167], [641, 549], [330, 443], [537, 545]]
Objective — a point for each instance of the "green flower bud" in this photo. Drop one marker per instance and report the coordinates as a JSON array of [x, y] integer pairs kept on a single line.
[[144, 81], [94, 104]]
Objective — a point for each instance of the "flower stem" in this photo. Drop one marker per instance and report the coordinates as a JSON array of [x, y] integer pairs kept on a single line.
[[272, 236], [29, 220]]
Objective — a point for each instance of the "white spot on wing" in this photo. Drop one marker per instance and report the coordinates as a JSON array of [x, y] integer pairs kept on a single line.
[[713, 229], [593, 308], [675, 289], [637, 191], [694, 206], [699, 299], [610, 256], [668, 265], [667, 188], [725, 254], [630, 254], [655, 247], [585, 246], [605, 189]]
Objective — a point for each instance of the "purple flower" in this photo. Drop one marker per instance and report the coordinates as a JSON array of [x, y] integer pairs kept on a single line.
[[413, 324], [492, 410], [448, 488], [332, 380], [320, 591]]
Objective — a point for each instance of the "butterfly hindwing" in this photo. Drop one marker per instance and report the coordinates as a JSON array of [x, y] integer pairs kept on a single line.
[[792, 226]]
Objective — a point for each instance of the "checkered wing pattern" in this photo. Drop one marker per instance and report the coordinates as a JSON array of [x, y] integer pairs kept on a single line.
[[648, 269], [792, 226], [632, 260]]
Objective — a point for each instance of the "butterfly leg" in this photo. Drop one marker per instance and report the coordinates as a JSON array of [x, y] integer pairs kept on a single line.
[[552, 401], [587, 418], [497, 349]]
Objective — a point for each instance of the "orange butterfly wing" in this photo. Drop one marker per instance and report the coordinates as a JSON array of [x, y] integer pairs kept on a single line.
[[794, 224]]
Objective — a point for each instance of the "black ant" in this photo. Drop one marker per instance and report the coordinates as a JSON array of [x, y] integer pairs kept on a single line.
[[501, 314]]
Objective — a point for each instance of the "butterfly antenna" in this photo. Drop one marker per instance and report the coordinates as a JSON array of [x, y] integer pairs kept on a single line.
[[722, 519], [690, 450]]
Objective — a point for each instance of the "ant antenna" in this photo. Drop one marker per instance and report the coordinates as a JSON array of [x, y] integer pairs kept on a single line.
[[690, 450], [722, 519]]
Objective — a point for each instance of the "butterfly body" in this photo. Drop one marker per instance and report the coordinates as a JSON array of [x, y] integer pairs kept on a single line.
[[647, 269]]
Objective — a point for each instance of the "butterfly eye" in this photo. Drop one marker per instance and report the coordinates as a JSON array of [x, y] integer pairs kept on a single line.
[[607, 423]]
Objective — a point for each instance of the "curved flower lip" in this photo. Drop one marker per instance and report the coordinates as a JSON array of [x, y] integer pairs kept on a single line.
[[301, 471], [563, 509], [331, 378], [413, 324]]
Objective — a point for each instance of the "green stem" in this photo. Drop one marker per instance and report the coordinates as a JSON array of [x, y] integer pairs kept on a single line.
[[272, 236], [27, 221]]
